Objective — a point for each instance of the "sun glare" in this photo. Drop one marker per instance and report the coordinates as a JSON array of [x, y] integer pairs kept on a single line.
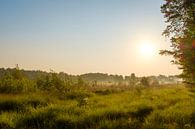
[[147, 50]]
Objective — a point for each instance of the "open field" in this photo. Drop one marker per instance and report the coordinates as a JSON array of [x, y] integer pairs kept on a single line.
[[97, 64], [165, 107]]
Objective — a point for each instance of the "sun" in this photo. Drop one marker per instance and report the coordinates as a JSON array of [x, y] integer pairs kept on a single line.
[[147, 49]]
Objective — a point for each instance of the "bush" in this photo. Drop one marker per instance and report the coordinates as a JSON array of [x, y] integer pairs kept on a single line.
[[52, 83], [11, 84]]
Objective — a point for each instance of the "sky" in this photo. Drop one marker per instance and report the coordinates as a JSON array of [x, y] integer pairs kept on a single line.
[[83, 36]]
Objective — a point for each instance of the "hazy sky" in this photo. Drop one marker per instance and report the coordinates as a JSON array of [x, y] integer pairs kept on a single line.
[[81, 36]]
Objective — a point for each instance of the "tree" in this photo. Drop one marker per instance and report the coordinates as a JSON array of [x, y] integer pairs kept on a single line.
[[180, 15]]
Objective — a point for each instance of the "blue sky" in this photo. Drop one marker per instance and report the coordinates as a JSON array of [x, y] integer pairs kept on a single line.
[[81, 36]]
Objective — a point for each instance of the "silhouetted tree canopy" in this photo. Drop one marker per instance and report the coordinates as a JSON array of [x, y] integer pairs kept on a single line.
[[180, 15]]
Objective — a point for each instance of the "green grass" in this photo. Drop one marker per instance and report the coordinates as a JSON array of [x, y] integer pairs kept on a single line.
[[168, 107]]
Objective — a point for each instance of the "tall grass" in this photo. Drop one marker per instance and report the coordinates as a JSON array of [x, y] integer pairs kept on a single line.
[[144, 108]]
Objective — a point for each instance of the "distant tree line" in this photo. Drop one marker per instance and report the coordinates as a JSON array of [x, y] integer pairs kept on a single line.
[[16, 80]]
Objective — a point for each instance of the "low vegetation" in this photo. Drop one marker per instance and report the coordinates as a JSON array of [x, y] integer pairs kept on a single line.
[[50, 102]]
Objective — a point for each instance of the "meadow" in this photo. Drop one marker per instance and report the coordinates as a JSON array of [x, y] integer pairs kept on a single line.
[[54, 102], [116, 37], [165, 107]]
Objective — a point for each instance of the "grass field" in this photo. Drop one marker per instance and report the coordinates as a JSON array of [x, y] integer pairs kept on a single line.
[[165, 107]]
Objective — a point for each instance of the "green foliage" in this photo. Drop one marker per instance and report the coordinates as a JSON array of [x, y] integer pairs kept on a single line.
[[43, 79], [52, 83], [180, 15], [60, 101], [153, 108], [15, 82]]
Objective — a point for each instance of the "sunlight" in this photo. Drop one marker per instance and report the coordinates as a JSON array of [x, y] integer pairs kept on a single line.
[[147, 49]]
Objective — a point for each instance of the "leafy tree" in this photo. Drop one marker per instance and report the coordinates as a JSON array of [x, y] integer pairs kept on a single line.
[[180, 15]]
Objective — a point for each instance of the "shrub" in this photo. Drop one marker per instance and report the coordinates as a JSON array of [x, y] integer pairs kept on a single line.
[[53, 83], [11, 84]]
